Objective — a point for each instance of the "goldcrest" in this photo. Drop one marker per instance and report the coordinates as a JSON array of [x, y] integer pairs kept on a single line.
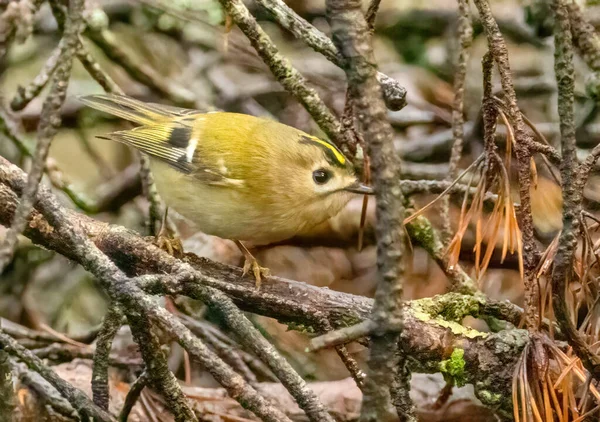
[[236, 176]]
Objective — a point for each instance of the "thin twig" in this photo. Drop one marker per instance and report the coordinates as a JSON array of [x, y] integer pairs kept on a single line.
[[585, 38], [372, 14], [227, 352], [76, 397], [465, 36], [283, 71], [49, 125], [343, 335], [140, 71], [110, 326], [25, 95], [133, 395], [393, 92], [405, 408], [59, 352], [159, 375], [247, 335], [7, 390], [156, 208]]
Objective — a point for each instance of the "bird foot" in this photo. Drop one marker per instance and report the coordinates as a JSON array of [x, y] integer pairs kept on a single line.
[[251, 263], [170, 244]]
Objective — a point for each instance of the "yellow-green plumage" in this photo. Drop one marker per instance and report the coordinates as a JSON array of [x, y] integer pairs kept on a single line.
[[235, 176]]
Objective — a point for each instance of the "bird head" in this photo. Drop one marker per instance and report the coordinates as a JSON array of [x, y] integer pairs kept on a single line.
[[321, 179]]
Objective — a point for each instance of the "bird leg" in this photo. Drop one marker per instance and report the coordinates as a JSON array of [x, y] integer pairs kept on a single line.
[[251, 263], [168, 241]]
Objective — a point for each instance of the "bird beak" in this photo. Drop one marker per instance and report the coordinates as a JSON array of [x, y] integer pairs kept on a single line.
[[361, 188]]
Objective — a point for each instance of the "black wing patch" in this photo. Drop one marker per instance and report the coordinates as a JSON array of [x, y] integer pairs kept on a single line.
[[180, 137]]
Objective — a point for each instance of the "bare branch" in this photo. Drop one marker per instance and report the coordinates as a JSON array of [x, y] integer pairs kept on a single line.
[[499, 53], [465, 36], [25, 95], [76, 397], [159, 374], [133, 395], [49, 124], [393, 92], [572, 192], [283, 71], [110, 326], [353, 38]]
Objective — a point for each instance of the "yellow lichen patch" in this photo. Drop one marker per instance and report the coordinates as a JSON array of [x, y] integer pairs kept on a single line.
[[436, 311]]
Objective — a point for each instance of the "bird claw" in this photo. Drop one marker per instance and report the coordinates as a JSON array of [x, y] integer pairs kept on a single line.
[[171, 245], [257, 270]]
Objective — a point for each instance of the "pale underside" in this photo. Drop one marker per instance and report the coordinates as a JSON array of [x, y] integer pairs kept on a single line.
[[243, 218]]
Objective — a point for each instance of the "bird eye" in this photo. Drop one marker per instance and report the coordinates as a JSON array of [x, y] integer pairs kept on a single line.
[[321, 176]]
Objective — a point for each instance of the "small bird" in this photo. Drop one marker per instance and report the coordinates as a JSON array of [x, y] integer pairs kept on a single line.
[[236, 176]]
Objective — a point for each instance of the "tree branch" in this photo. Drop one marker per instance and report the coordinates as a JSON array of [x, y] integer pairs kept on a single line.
[[352, 37], [393, 93], [283, 71], [562, 273], [49, 124], [499, 54], [76, 397]]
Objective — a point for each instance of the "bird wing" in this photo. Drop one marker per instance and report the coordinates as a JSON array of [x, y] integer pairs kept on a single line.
[[170, 134], [175, 144]]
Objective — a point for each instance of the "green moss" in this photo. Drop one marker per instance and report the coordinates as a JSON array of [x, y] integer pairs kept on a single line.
[[420, 229], [306, 329], [489, 398], [453, 369]]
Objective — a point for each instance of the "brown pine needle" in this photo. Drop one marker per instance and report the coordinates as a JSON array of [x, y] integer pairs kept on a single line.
[[187, 366], [565, 401], [523, 382], [508, 232], [543, 139], [587, 414], [536, 412], [534, 173], [363, 212], [510, 138], [555, 401], [363, 217], [453, 251], [494, 222], [515, 390], [228, 26], [547, 402], [566, 371], [547, 257], [423, 209], [477, 247], [408, 242], [520, 253], [61, 336]]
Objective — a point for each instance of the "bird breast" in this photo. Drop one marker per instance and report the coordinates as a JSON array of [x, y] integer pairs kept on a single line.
[[236, 213]]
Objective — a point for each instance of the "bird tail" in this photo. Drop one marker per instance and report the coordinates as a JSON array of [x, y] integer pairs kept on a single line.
[[129, 109], [165, 132]]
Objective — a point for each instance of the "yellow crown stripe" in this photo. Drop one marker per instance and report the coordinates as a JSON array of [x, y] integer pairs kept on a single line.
[[336, 153]]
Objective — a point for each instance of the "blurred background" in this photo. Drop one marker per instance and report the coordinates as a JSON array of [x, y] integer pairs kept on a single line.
[[197, 63]]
